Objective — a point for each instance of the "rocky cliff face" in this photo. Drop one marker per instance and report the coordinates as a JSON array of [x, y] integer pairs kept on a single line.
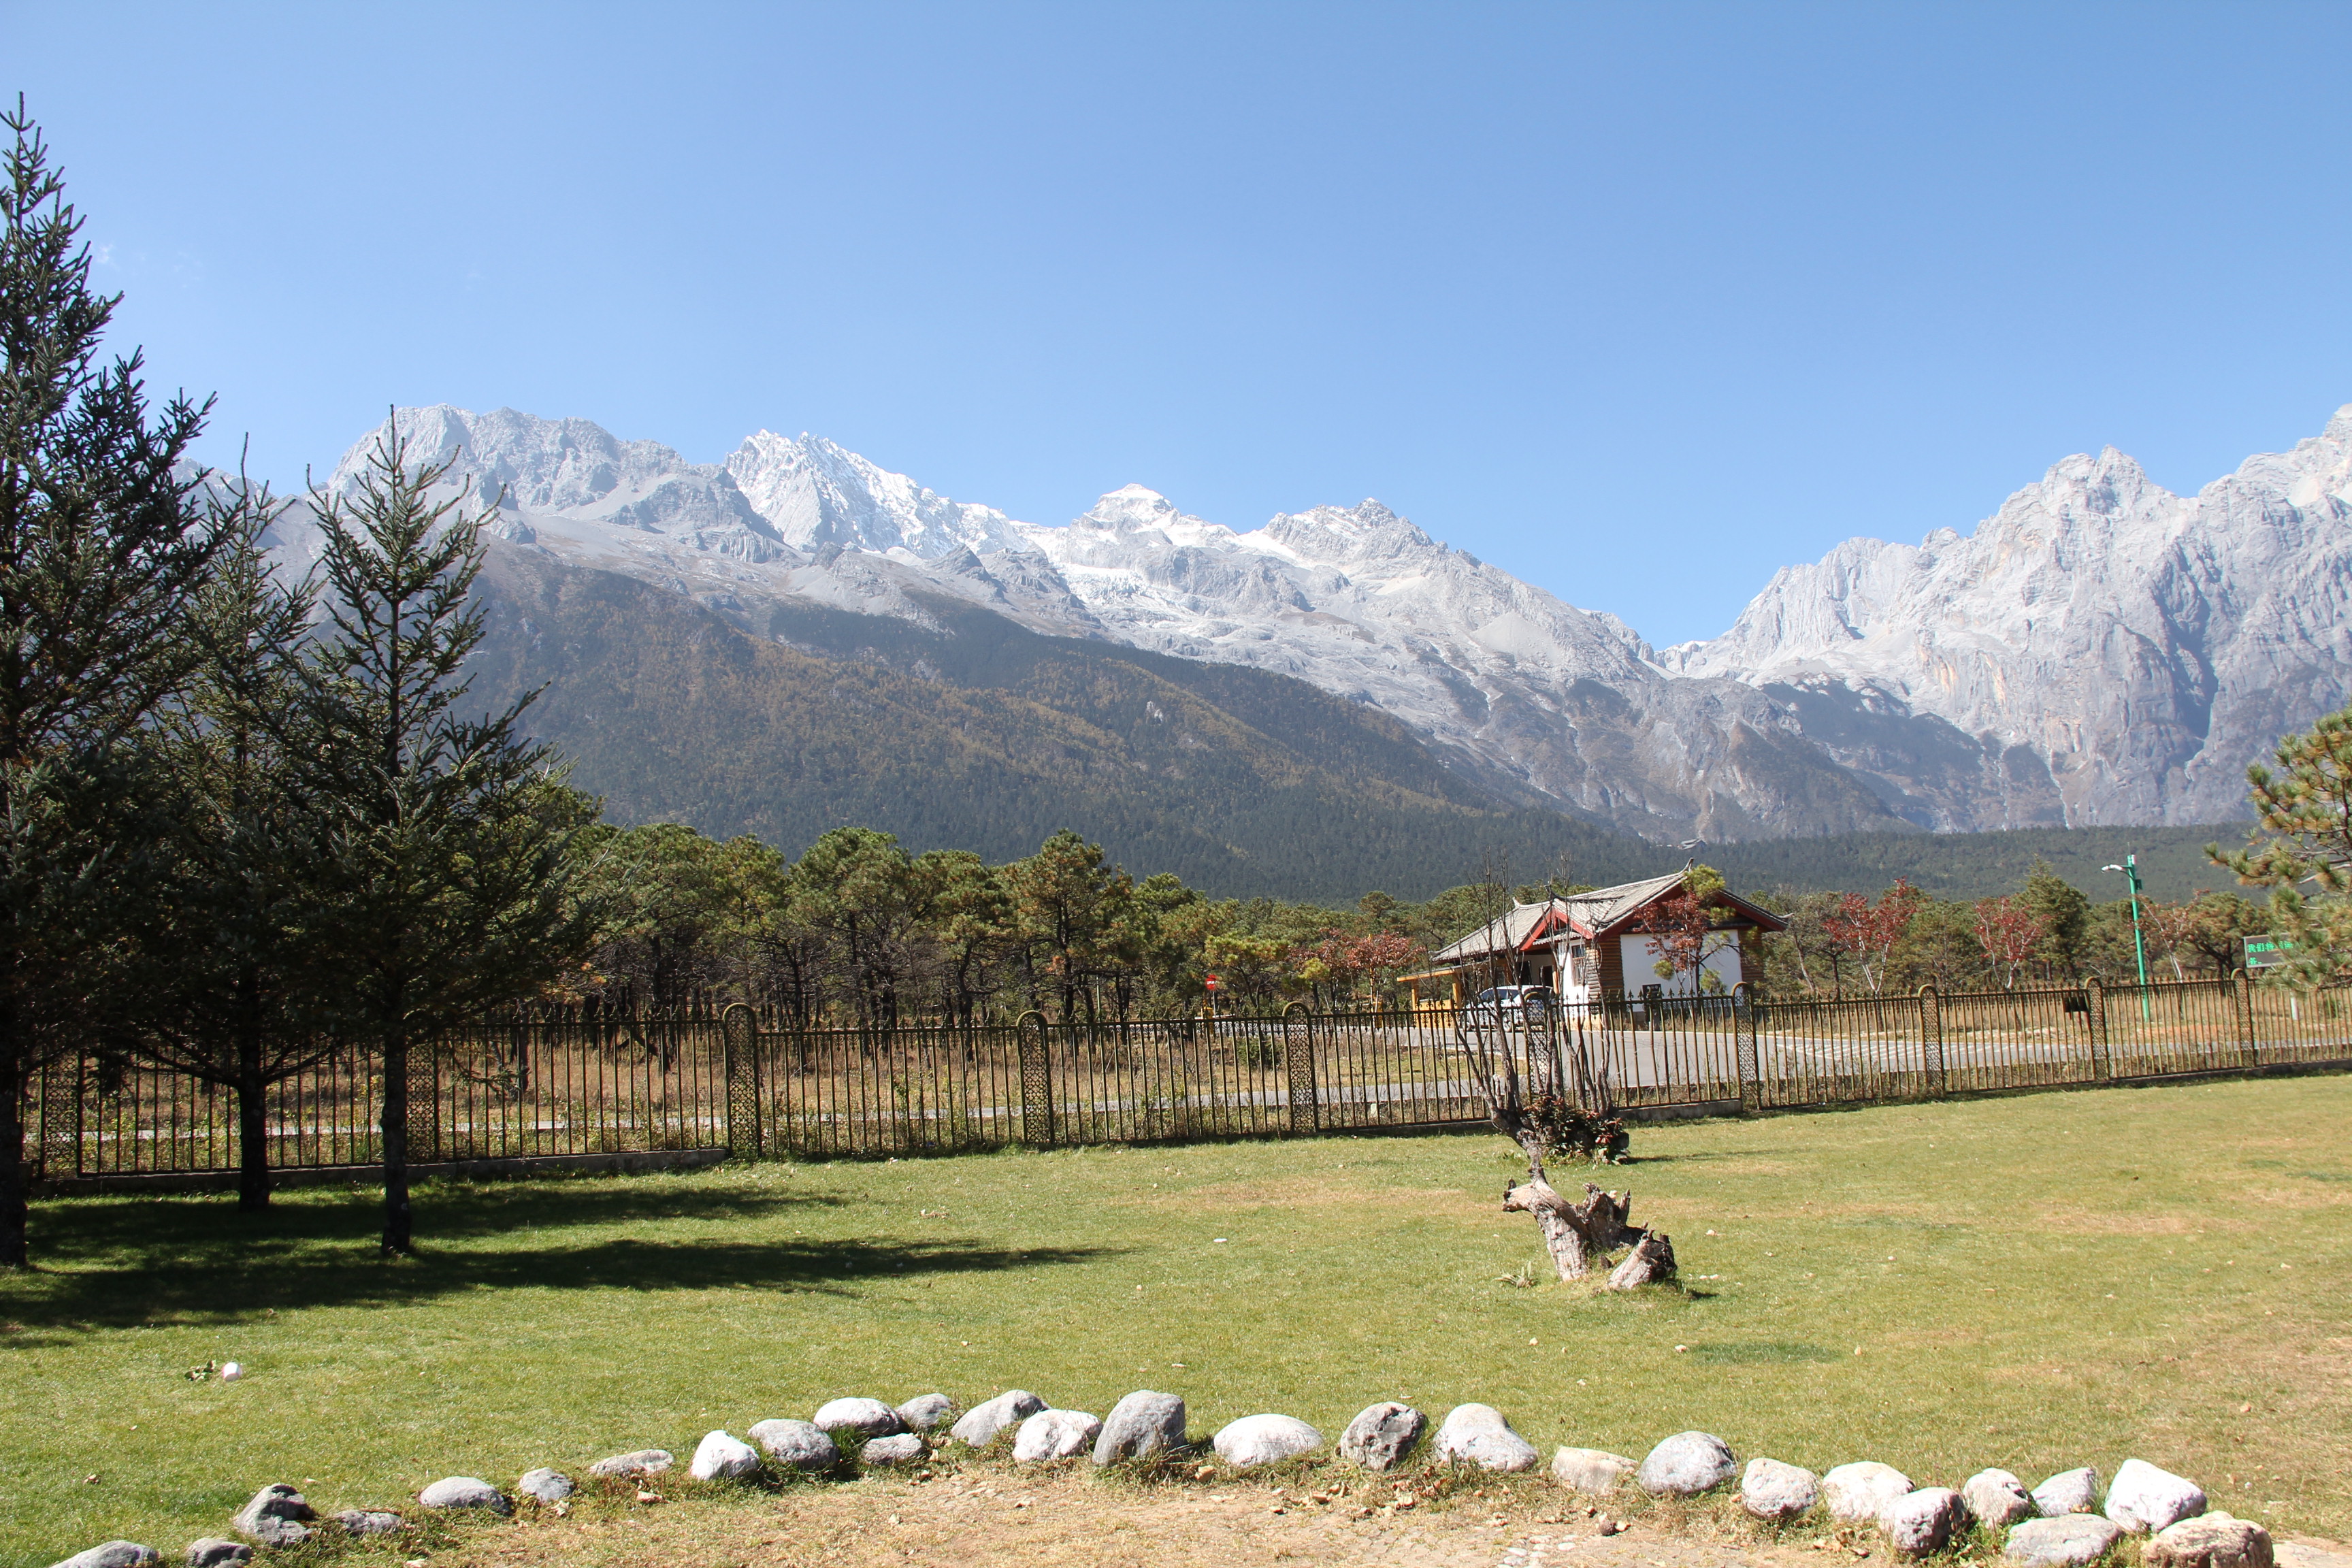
[[2099, 651], [2115, 652]]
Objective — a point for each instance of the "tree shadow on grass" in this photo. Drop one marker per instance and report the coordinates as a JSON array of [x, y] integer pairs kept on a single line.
[[194, 1261]]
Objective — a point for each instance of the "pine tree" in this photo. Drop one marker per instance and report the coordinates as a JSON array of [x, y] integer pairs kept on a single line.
[[103, 541], [229, 976], [442, 836]]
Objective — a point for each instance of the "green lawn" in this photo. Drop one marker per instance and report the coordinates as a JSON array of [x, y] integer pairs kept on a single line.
[[2031, 1282]]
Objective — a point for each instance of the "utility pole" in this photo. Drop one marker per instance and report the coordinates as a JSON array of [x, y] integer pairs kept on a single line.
[[2130, 868]]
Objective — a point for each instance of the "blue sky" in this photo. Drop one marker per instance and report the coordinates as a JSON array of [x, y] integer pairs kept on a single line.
[[1638, 301]]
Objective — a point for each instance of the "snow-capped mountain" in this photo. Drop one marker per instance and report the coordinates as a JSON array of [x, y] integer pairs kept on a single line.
[[2100, 650], [2119, 653]]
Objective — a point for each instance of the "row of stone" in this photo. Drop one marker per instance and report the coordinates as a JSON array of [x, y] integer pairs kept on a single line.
[[2051, 1527]]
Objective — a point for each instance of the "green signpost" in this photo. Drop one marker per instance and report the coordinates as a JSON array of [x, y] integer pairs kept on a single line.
[[2268, 951]]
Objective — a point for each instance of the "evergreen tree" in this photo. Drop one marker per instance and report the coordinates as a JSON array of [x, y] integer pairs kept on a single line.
[[229, 975], [442, 836], [2065, 912], [2305, 808], [103, 542]]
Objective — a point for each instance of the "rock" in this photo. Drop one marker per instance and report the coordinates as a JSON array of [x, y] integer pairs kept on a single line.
[[1255, 1440], [1998, 1499], [2209, 1541], [1477, 1435], [858, 1418], [1856, 1493], [2062, 1540], [1381, 1434], [277, 1516], [232, 1372], [545, 1485], [1925, 1521], [212, 1552], [926, 1411], [723, 1456], [2068, 1491], [1770, 1489], [802, 1444], [2143, 1498], [985, 1422], [898, 1448], [465, 1491], [369, 1522], [636, 1462], [113, 1554], [1685, 1465], [1054, 1435], [1595, 1472], [1141, 1425]]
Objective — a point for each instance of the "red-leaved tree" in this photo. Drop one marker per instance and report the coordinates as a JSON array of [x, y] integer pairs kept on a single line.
[[2010, 932], [1869, 932]]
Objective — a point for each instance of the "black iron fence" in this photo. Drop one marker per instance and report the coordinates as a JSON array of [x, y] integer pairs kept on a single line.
[[590, 1083]]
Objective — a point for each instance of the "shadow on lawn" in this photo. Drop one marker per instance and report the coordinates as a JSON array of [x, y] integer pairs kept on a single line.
[[116, 1265]]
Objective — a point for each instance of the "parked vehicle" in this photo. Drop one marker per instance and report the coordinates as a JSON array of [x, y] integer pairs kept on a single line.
[[1511, 1006]]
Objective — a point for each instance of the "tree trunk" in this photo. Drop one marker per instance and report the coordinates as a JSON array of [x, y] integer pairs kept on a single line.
[[1576, 1232], [252, 1101], [394, 1130], [1651, 1262], [14, 1247]]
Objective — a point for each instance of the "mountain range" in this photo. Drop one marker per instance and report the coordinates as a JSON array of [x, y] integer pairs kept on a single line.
[[2099, 651]]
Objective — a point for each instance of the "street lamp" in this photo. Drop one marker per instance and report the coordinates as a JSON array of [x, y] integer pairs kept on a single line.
[[2130, 868]]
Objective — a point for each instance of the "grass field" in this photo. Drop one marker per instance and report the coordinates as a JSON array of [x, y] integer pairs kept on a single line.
[[2032, 1283]]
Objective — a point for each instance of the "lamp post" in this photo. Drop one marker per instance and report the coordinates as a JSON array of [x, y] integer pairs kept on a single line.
[[2130, 868]]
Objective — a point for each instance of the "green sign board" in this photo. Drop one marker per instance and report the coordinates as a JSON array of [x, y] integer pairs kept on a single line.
[[2266, 951]]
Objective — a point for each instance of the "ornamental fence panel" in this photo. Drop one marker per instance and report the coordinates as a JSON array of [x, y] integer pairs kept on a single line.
[[582, 1081]]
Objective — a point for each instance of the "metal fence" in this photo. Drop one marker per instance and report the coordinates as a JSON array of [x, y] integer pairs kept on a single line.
[[584, 1082]]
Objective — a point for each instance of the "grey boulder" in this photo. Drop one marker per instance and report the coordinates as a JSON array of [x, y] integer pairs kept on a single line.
[[1052, 1435], [926, 1411], [858, 1418], [369, 1522], [1772, 1490], [113, 1554], [212, 1552], [1255, 1440], [466, 1492], [1856, 1493], [991, 1418], [277, 1516], [723, 1456], [2062, 1540], [802, 1444], [1925, 1521], [1141, 1425], [1381, 1434], [898, 1448], [636, 1462], [1998, 1499], [544, 1485], [2213, 1540], [2143, 1499], [1685, 1465], [1477, 1435], [2068, 1491], [1595, 1472]]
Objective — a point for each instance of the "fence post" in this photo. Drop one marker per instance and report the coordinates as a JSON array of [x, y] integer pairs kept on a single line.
[[2245, 1008], [1744, 1053], [1931, 1039], [424, 1101], [2095, 1016], [739, 1037], [1036, 1081], [1299, 1066]]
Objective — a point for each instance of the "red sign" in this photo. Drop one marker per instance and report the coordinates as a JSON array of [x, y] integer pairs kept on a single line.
[[1212, 982]]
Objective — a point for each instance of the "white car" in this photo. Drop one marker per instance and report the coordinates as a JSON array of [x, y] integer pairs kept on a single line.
[[1511, 1005]]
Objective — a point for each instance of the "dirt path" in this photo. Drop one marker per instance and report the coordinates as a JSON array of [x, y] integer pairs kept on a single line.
[[964, 1522]]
